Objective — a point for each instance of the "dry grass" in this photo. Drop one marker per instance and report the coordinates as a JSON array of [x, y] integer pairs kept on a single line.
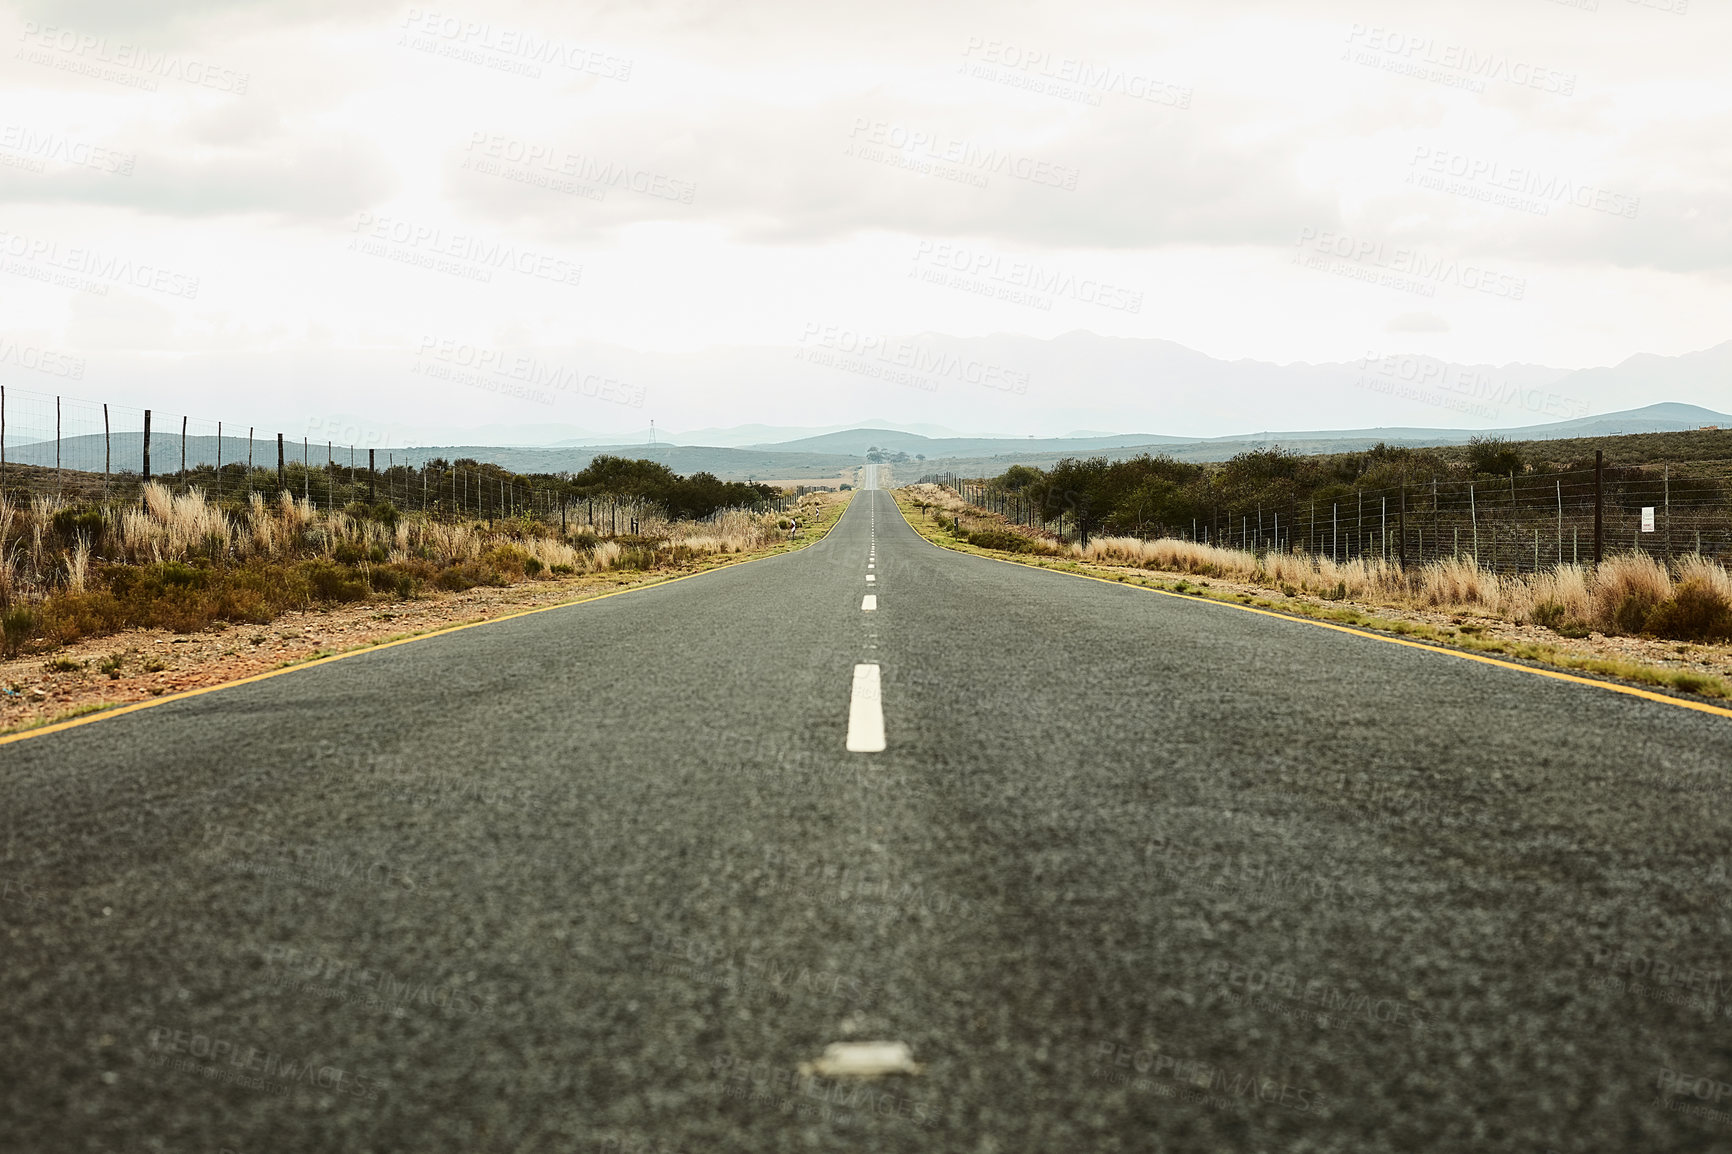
[[180, 561], [1632, 593], [1627, 589]]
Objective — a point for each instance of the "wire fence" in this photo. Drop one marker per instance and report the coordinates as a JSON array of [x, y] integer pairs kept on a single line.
[[1519, 523], [83, 450]]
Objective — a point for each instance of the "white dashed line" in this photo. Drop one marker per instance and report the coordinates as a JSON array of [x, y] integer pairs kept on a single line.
[[871, 577], [866, 712], [869, 603]]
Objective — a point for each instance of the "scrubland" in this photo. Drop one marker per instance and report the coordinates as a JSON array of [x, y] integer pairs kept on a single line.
[[180, 561]]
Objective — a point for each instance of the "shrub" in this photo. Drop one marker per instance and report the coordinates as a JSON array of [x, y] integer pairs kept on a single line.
[[455, 579], [1001, 539], [505, 560], [334, 582], [175, 574], [468, 575], [16, 626], [73, 616], [1627, 589], [1696, 611], [79, 521]]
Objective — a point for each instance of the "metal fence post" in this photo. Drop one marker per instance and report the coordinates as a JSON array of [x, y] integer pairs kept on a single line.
[[1473, 517], [1401, 523], [1599, 506], [1667, 502], [147, 446], [372, 477], [282, 485]]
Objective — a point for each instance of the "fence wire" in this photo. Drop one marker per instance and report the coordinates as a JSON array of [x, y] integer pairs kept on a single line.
[[83, 450], [1519, 523]]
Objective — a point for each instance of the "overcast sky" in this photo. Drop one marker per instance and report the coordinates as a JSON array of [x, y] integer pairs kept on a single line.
[[195, 195]]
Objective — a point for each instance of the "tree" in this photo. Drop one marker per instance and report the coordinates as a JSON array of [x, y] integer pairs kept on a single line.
[[1082, 488], [1494, 455], [1017, 478]]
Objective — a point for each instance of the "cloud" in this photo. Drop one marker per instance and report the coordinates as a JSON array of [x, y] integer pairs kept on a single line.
[[1127, 178], [1417, 323], [176, 20], [297, 182]]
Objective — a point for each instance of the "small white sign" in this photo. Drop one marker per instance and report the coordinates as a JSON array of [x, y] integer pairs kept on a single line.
[[1647, 518]]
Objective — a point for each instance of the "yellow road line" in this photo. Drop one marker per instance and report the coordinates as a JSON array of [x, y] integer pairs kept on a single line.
[[1629, 690], [118, 711]]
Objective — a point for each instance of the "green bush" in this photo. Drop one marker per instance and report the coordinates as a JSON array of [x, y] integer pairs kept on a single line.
[[1000, 539], [16, 626], [1694, 612], [79, 521], [455, 579], [1549, 614], [334, 582], [1632, 612], [506, 560]]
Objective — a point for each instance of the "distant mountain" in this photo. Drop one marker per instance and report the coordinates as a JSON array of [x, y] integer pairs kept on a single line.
[[831, 455], [759, 436], [858, 441], [933, 385]]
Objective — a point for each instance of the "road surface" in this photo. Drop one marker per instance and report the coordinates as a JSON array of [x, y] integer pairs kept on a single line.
[[1124, 872]]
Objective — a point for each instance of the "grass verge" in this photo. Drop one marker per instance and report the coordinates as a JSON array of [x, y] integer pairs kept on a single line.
[[108, 694], [1681, 681]]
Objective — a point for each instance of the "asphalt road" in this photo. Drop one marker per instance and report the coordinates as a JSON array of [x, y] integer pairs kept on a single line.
[[1131, 873]]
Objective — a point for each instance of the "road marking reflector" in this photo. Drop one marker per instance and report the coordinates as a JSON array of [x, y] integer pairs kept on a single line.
[[870, 603], [866, 712], [862, 1060]]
